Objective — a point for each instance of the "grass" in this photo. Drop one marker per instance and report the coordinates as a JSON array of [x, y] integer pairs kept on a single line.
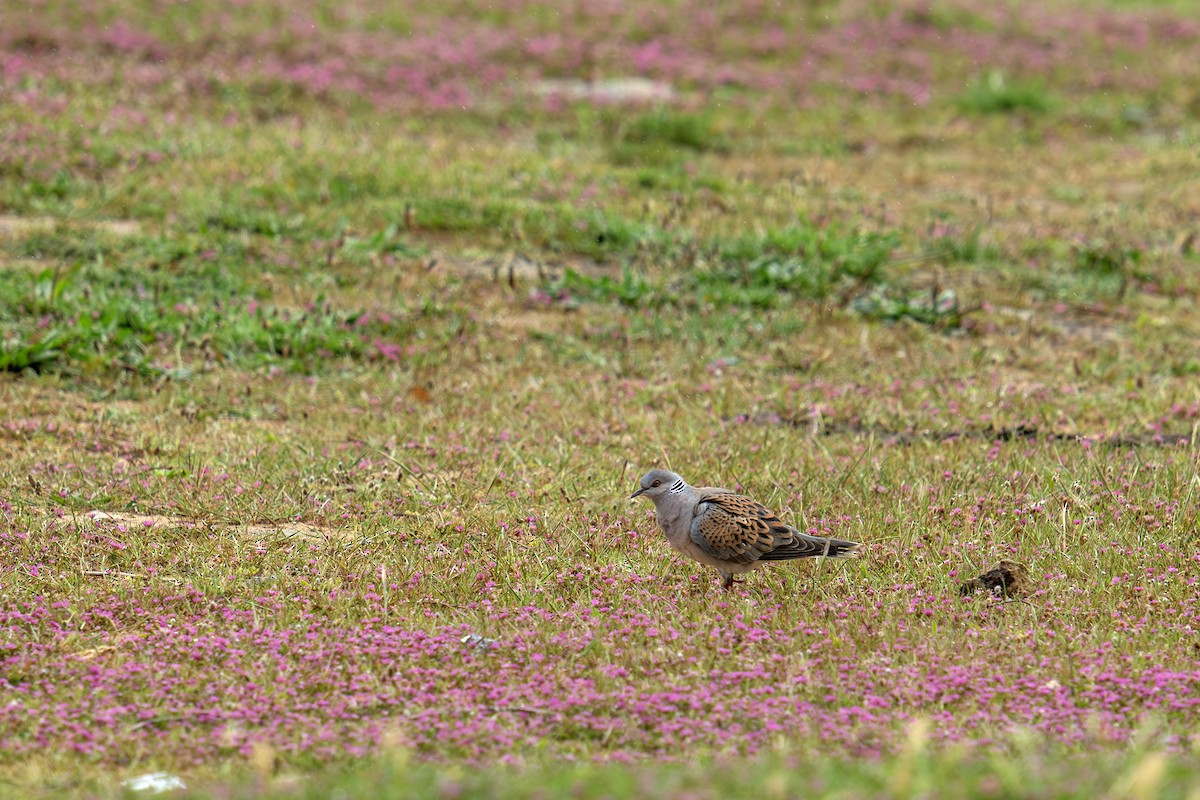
[[97, 317], [332, 344], [995, 94], [914, 772]]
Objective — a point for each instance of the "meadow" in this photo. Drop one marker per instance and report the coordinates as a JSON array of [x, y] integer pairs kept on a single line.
[[334, 338]]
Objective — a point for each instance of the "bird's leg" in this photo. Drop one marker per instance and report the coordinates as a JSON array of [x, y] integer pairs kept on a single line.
[[729, 581]]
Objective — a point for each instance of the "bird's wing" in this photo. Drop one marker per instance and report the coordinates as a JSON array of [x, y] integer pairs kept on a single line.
[[732, 527]]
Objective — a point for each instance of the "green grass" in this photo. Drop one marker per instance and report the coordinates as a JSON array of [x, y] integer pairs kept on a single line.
[[92, 317], [997, 94], [362, 385], [916, 772], [760, 271]]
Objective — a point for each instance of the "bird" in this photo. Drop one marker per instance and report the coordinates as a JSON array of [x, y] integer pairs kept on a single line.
[[726, 530]]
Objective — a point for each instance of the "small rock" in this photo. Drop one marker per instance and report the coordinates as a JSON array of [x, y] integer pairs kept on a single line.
[[156, 782], [477, 641]]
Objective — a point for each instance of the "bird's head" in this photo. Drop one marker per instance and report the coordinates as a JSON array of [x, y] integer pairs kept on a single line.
[[657, 482]]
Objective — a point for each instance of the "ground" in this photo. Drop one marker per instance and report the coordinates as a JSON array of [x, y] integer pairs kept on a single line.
[[336, 338]]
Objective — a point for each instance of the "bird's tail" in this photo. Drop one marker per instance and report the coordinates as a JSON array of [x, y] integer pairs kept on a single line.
[[805, 546], [832, 548]]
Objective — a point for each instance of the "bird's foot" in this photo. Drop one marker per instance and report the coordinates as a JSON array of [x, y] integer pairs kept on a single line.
[[730, 581]]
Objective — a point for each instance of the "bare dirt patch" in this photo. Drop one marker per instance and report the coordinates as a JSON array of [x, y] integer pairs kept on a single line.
[[15, 226], [634, 90], [257, 531], [513, 267]]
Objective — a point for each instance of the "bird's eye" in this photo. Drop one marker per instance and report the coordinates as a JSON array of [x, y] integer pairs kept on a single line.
[[656, 483]]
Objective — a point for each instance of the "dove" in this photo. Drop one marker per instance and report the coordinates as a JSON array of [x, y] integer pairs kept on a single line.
[[726, 530]]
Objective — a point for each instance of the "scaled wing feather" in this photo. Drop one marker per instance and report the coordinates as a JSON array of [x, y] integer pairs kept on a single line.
[[735, 528]]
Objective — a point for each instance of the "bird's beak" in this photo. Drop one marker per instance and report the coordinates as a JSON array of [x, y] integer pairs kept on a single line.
[[636, 494]]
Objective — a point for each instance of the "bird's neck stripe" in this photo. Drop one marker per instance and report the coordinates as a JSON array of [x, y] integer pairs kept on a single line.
[[677, 486]]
